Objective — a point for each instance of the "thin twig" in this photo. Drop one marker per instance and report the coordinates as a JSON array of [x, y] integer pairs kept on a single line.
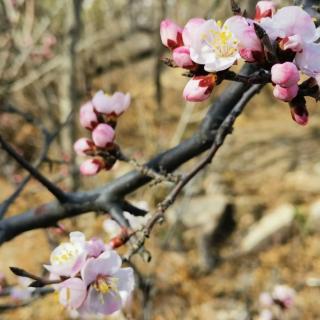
[[56, 191]]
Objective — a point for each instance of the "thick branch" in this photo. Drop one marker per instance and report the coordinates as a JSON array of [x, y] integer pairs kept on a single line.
[[104, 198]]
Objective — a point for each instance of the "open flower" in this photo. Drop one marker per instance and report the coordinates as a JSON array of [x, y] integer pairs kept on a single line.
[[295, 30], [111, 105], [249, 44], [215, 46], [68, 258], [109, 285]]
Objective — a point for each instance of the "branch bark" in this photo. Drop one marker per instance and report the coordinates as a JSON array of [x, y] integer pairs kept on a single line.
[[109, 196]]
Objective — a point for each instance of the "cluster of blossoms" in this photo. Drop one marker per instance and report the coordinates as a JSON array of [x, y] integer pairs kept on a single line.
[[208, 48], [92, 280], [100, 117], [282, 298]]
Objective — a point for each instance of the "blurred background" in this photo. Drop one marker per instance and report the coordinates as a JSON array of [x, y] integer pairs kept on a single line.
[[249, 222]]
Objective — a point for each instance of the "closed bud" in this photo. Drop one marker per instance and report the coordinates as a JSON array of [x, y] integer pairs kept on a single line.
[[285, 94], [285, 74], [264, 9], [199, 88], [83, 146], [171, 34], [299, 111], [92, 166], [181, 57], [88, 118], [103, 135]]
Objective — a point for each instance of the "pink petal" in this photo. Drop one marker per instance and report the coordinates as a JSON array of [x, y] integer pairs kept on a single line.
[[98, 303], [106, 264], [72, 292], [125, 283], [102, 103]]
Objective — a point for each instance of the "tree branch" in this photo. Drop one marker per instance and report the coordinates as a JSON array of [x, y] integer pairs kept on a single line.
[[105, 197]]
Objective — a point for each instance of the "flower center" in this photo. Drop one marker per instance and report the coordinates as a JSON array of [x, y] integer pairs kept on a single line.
[[104, 285], [221, 40], [66, 252]]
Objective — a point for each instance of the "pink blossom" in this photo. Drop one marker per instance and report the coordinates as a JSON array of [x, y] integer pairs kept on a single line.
[[296, 30], [285, 74], [181, 57], [171, 34], [88, 118], [72, 292], [68, 258], [111, 105], [285, 94], [109, 285], [103, 135], [83, 145], [190, 30], [92, 166], [249, 45], [95, 247], [285, 295], [264, 9], [215, 46], [199, 88]]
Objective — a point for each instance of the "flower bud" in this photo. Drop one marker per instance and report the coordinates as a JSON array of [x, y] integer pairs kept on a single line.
[[264, 9], [286, 74], [181, 57], [88, 118], [285, 94], [299, 111], [199, 88], [82, 146], [91, 167], [103, 135], [171, 34]]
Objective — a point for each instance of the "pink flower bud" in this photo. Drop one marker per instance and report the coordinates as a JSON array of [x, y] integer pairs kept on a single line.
[[91, 167], [285, 94], [285, 74], [88, 118], [82, 146], [264, 9], [171, 34], [103, 135], [199, 88], [299, 113], [181, 56]]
